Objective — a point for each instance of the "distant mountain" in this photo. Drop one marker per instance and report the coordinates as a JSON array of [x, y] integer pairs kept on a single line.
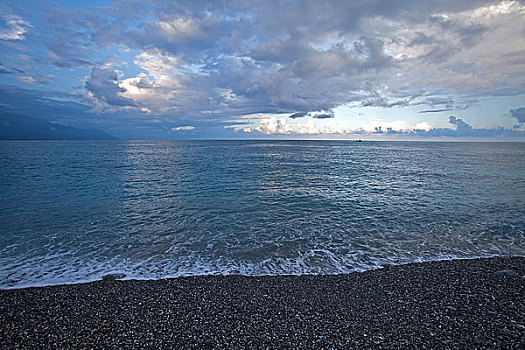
[[19, 127]]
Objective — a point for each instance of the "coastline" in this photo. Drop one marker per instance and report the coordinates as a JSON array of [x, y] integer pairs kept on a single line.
[[441, 304]]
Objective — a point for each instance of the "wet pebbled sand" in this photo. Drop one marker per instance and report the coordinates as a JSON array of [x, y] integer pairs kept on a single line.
[[459, 304]]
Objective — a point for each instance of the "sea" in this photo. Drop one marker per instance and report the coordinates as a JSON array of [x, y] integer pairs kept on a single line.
[[79, 211]]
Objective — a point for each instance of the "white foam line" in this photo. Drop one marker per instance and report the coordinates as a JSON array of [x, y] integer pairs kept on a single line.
[[286, 267]]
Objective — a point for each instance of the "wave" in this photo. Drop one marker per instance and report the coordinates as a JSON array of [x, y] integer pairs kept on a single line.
[[314, 262]]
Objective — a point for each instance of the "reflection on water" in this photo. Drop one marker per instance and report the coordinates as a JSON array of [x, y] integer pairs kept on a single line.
[[75, 211]]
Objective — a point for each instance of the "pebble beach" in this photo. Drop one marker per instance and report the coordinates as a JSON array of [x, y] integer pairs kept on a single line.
[[455, 304]]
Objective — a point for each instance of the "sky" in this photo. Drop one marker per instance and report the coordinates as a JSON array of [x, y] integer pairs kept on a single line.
[[350, 69]]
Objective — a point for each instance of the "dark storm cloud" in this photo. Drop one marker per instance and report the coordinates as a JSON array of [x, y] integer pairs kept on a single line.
[[102, 83], [461, 126], [518, 113], [313, 115], [298, 115], [435, 110], [323, 115]]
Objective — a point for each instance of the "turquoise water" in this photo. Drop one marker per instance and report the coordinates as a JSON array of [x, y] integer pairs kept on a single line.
[[75, 211]]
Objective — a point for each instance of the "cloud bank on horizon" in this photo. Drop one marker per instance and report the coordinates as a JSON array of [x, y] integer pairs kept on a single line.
[[382, 69]]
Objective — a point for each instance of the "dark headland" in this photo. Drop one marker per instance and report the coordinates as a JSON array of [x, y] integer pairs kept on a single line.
[[458, 304], [21, 127]]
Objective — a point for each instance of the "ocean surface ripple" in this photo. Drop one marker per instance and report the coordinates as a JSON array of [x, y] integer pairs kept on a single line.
[[77, 211]]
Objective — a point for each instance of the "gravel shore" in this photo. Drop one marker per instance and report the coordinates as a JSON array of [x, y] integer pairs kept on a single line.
[[458, 304]]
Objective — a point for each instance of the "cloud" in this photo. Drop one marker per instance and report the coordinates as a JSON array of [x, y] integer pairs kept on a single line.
[[518, 113], [158, 64], [272, 125], [275, 126], [310, 128], [298, 115], [435, 110], [271, 66], [198, 61], [328, 115], [461, 126], [68, 36], [15, 28], [397, 127], [464, 129], [380, 101], [9, 70], [37, 79], [72, 109], [316, 115], [183, 128], [104, 89]]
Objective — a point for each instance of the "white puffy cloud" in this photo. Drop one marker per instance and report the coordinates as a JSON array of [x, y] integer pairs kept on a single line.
[[162, 87], [309, 127], [423, 126], [276, 124], [273, 125], [397, 125], [459, 128], [183, 128]]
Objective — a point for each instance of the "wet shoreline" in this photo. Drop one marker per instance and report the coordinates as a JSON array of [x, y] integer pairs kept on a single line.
[[474, 303]]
